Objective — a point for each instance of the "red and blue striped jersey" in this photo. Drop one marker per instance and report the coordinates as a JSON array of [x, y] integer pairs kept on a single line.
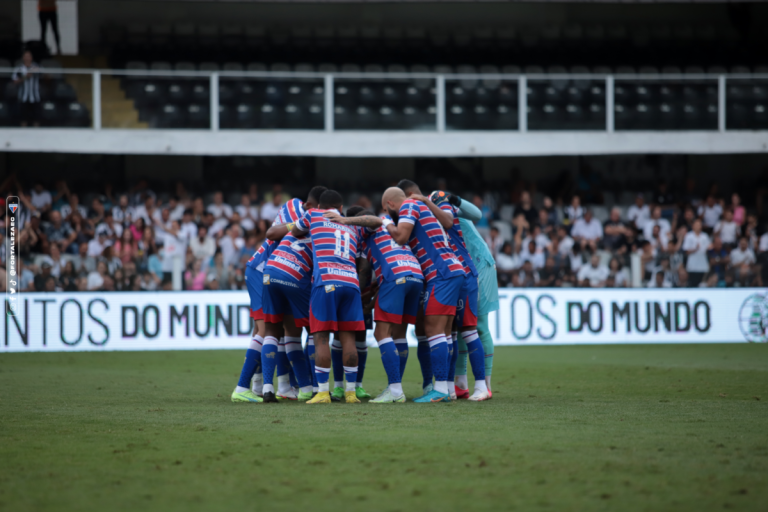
[[389, 260], [429, 242], [293, 258], [334, 248], [457, 240], [289, 212]]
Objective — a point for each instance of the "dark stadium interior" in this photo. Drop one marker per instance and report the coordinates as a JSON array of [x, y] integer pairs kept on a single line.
[[652, 40]]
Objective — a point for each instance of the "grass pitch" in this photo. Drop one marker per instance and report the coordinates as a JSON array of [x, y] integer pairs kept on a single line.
[[569, 428]]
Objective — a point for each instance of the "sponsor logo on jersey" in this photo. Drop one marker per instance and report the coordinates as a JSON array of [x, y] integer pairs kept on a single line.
[[330, 288], [265, 280]]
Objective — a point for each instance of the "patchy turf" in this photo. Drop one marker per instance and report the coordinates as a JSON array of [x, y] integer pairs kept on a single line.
[[569, 428]]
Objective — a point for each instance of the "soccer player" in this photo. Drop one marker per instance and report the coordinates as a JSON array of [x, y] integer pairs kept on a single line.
[[287, 285], [289, 213], [335, 303], [401, 284], [489, 293], [466, 319], [442, 271]]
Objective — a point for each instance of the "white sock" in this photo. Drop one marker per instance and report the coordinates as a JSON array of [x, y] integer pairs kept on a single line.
[[338, 384], [396, 389], [306, 389], [256, 343], [451, 388], [322, 387], [315, 390], [240, 389], [488, 382], [284, 384], [268, 388], [461, 381], [358, 384], [350, 386], [480, 386], [441, 386]]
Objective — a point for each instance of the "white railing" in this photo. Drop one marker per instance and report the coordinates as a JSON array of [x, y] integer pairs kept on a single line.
[[328, 80]]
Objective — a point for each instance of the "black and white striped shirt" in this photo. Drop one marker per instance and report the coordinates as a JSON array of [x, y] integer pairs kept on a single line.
[[29, 90]]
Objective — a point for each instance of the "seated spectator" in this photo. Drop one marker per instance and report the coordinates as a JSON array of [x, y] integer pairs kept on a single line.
[[681, 278], [194, 278], [203, 246], [96, 278], [59, 232], [112, 261], [688, 217], [68, 277], [40, 198], [32, 238], [212, 282], [507, 262], [710, 212], [220, 209], [527, 277], [666, 199], [73, 206], [149, 282], [175, 208], [739, 212], [545, 225], [526, 209], [96, 213], [125, 248], [656, 220], [230, 245], [495, 241], [617, 273], [83, 229], [659, 241], [573, 211], [137, 228], [614, 231], [587, 232], [269, 210], [742, 260], [695, 246], [84, 263], [121, 283], [550, 211], [659, 281], [552, 275], [27, 279], [718, 257], [188, 228], [639, 213], [216, 227], [593, 275], [647, 259], [540, 239], [564, 242], [533, 254], [249, 214], [728, 229], [122, 213], [98, 244]]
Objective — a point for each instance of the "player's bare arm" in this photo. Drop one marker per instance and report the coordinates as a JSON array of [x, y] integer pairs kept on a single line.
[[365, 221], [443, 217], [277, 231]]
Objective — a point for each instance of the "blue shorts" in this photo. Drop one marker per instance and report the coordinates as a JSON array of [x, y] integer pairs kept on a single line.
[[283, 296], [398, 301], [466, 312], [253, 280], [442, 296], [334, 308]]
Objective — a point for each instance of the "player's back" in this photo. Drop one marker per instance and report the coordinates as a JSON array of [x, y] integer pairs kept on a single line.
[[334, 248], [389, 260], [292, 258], [430, 242], [291, 211]]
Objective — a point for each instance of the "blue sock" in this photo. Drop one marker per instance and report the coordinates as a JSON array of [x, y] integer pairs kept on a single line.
[[350, 372], [322, 378], [269, 360], [425, 361], [476, 354], [310, 352], [438, 351], [402, 351], [390, 360], [362, 357], [252, 363], [291, 373], [338, 363], [283, 366], [298, 361], [453, 354]]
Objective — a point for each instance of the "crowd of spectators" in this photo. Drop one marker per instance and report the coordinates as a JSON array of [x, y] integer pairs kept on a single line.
[[133, 240]]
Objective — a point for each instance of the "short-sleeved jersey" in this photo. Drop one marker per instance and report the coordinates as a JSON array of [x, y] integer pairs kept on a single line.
[[429, 242], [293, 258], [456, 237], [289, 212], [334, 248], [389, 260]]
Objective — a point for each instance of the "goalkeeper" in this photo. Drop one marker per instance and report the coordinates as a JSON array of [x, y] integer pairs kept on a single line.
[[488, 299]]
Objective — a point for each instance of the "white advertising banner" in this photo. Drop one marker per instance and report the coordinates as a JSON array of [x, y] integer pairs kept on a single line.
[[541, 316]]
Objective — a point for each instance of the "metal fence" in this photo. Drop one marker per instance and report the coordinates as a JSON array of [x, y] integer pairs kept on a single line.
[[605, 103]]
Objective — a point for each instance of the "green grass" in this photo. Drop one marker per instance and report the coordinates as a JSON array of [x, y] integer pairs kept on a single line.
[[569, 428]]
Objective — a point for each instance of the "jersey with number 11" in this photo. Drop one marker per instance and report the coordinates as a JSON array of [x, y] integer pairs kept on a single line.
[[334, 247]]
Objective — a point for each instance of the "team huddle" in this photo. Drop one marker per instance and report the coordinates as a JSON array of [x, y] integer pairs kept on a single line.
[[422, 263]]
